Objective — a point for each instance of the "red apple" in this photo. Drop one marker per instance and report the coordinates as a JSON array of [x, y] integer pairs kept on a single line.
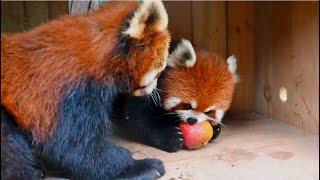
[[197, 135]]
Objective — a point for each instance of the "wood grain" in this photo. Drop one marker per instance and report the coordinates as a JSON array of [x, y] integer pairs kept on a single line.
[[240, 42], [36, 13], [58, 8], [12, 16], [263, 58], [289, 43], [209, 25], [17, 16], [78, 7], [179, 19]]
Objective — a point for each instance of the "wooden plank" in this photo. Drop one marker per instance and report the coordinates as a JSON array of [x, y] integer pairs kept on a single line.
[[240, 42], [300, 64], [209, 25], [306, 45], [78, 7], [179, 19], [12, 16], [263, 58], [293, 30], [57, 9], [282, 60], [36, 13]]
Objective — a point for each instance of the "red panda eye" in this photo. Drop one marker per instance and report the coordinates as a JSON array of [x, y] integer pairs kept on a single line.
[[187, 106], [209, 113]]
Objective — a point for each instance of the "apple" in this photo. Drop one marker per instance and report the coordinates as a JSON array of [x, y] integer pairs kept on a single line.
[[197, 135]]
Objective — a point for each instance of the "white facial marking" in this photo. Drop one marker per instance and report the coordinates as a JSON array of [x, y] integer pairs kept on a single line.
[[171, 102], [147, 9], [185, 114], [177, 57], [232, 65], [149, 77], [194, 104], [146, 90], [219, 114]]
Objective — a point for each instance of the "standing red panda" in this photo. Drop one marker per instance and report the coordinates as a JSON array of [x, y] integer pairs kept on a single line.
[[59, 82], [196, 86]]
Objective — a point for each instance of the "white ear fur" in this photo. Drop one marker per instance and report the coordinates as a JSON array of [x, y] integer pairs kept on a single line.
[[232, 65], [171, 102], [148, 9], [183, 55]]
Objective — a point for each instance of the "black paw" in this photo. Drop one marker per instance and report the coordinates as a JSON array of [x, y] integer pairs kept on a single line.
[[145, 169], [216, 132], [168, 139]]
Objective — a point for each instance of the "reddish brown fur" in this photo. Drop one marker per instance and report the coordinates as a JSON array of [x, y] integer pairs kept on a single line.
[[208, 82], [40, 66]]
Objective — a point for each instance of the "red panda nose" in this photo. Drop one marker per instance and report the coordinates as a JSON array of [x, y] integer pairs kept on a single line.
[[192, 120]]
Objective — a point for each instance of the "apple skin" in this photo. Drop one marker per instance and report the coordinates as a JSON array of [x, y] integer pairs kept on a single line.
[[197, 135]]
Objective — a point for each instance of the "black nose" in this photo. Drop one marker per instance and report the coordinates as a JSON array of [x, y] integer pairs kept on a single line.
[[192, 120]]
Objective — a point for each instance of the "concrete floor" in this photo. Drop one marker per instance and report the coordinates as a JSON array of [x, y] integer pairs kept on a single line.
[[250, 148]]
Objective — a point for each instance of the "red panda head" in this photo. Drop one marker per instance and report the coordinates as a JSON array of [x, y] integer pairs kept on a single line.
[[142, 46], [198, 85]]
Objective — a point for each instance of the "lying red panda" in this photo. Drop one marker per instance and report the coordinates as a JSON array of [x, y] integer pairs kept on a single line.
[[196, 86], [58, 84]]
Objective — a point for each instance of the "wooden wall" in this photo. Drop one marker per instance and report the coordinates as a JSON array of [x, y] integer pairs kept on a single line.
[[287, 55], [17, 16], [240, 42]]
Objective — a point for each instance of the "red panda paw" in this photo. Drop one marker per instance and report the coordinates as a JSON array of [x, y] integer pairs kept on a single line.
[[216, 132], [144, 169], [168, 139]]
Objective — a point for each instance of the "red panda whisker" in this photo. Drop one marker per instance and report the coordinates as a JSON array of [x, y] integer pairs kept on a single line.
[[158, 95], [171, 113], [152, 97], [158, 89], [155, 96], [220, 123]]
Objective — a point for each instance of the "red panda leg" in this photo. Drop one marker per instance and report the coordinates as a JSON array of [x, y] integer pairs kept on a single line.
[[81, 142], [143, 121], [17, 157]]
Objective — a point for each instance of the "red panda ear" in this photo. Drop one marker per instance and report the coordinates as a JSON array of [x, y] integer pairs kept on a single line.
[[151, 13], [232, 66], [183, 55]]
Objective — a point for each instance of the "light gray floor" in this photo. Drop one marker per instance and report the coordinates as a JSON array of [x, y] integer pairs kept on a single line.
[[250, 148]]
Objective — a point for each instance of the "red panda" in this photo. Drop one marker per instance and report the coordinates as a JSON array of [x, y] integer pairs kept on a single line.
[[59, 80], [197, 85]]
